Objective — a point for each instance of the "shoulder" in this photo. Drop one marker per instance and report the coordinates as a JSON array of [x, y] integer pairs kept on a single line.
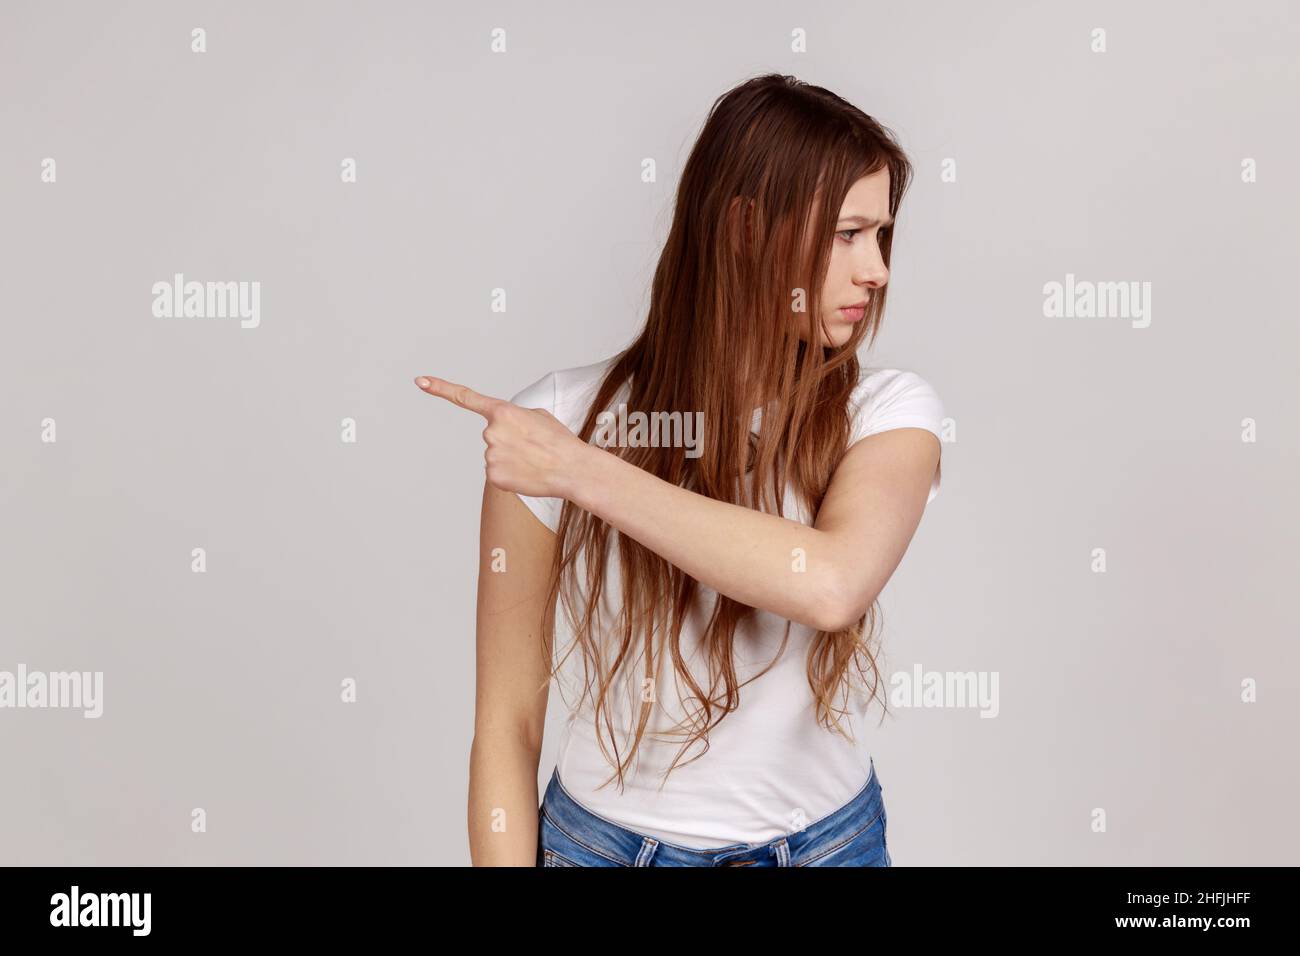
[[566, 393], [888, 398]]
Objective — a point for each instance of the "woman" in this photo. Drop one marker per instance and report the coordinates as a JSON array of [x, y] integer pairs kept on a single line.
[[725, 660]]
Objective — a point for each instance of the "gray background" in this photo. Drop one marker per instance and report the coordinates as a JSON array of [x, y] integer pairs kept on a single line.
[[475, 171]]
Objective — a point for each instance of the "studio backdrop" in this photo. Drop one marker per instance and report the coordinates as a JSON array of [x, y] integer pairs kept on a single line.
[[238, 548]]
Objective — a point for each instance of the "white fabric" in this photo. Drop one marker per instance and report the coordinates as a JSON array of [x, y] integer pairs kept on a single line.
[[770, 767]]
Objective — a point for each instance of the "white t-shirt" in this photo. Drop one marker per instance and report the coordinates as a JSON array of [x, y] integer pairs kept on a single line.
[[771, 768]]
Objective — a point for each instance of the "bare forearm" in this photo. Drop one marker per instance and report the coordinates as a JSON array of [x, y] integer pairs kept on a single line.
[[747, 555], [503, 801]]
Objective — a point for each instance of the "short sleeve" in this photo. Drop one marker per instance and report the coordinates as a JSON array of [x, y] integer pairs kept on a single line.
[[895, 398], [541, 394]]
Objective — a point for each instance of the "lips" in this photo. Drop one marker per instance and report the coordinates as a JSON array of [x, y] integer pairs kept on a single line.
[[854, 313]]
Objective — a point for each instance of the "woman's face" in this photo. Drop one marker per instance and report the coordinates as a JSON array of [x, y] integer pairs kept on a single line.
[[856, 268]]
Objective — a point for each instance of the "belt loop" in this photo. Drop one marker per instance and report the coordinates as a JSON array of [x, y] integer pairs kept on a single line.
[[648, 847], [782, 851]]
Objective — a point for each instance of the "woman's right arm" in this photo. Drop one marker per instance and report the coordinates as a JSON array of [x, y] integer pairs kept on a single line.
[[511, 681]]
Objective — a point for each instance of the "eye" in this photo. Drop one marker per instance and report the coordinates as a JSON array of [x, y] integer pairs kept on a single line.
[[882, 234], [848, 232]]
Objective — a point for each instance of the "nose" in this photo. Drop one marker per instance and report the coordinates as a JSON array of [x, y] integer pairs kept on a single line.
[[870, 270]]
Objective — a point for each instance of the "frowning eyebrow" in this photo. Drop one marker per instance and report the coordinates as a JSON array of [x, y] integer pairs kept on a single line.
[[864, 221]]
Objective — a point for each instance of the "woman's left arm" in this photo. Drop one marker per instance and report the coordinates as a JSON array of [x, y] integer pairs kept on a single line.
[[825, 575]]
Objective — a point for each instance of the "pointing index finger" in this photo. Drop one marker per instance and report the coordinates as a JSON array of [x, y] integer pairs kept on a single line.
[[461, 395]]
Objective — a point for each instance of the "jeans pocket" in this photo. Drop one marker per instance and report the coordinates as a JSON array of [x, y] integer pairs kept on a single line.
[[863, 847], [562, 848], [884, 834], [551, 858]]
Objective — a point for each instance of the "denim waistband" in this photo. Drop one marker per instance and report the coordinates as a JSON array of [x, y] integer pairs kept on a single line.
[[618, 842]]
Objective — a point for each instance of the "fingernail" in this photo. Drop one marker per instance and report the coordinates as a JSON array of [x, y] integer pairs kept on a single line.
[[422, 382]]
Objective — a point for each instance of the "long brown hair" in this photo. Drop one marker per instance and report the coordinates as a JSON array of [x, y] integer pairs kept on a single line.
[[740, 274]]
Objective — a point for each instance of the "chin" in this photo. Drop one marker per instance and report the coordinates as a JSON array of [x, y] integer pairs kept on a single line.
[[839, 334], [838, 337]]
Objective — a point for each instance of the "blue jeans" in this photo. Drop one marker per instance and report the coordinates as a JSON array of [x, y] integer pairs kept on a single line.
[[571, 835]]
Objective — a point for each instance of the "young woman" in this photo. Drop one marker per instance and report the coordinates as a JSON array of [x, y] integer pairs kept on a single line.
[[718, 594]]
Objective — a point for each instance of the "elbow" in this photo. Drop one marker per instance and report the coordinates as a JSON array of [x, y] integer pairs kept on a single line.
[[521, 739], [838, 604]]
